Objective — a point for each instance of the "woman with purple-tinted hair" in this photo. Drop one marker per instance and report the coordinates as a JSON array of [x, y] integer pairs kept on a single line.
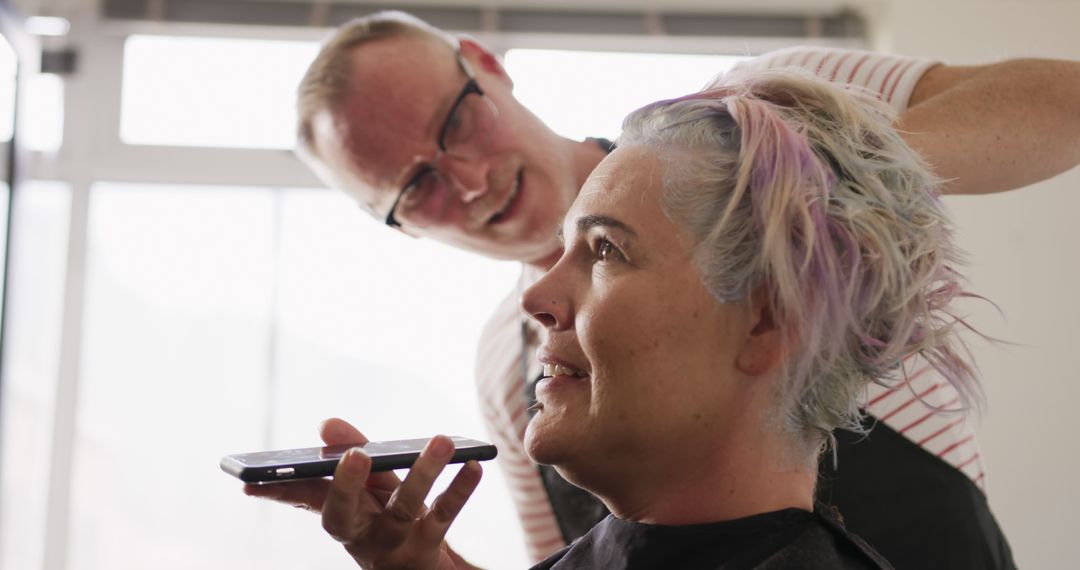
[[735, 274]]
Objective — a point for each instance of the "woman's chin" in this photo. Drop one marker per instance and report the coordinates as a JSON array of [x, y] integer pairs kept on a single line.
[[545, 443]]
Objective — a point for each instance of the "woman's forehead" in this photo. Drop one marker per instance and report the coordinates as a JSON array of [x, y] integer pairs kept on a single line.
[[626, 177], [628, 187]]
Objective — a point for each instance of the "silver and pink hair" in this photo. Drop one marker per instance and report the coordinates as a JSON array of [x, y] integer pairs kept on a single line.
[[805, 189]]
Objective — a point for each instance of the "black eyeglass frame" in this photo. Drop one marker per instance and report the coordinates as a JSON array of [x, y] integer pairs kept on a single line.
[[471, 87]]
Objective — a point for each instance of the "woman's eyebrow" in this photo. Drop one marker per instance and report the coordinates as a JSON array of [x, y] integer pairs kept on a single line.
[[584, 223]]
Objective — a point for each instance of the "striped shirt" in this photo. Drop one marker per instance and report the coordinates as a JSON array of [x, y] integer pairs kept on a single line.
[[891, 77], [920, 410]]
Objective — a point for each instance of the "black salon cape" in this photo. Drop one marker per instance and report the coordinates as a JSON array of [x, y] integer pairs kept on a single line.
[[916, 510], [787, 539]]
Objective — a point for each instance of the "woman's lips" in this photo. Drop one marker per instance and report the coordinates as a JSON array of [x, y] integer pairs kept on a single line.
[[559, 369], [558, 382], [558, 373]]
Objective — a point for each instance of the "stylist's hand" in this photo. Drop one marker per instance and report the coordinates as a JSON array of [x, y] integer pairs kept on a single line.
[[382, 522]]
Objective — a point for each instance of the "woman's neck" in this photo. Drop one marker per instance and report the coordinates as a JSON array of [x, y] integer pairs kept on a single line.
[[745, 475]]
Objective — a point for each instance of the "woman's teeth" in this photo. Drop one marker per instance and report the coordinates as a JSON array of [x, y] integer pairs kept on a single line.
[[551, 370]]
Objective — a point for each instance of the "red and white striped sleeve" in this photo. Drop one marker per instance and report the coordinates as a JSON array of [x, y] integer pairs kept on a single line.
[[892, 77], [500, 385], [928, 411]]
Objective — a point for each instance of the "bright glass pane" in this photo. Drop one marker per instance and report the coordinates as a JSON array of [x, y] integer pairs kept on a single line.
[[213, 92], [178, 304], [31, 363], [43, 127], [221, 320], [582, 94], [41, 105], [8, 69]]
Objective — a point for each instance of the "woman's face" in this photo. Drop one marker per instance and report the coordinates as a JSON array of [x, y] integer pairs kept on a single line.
[[644, 360]]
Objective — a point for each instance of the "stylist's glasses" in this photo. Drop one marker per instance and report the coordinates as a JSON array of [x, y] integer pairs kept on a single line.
[[465, 133]]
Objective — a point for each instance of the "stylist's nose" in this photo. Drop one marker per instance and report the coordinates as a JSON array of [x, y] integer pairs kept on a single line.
[[547, 303], [467, 176]]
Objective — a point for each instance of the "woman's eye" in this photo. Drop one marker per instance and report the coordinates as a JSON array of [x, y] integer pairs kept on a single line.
[[605, 250]]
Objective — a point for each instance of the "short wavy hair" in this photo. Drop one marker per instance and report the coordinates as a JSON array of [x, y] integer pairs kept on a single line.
[[804, 188]]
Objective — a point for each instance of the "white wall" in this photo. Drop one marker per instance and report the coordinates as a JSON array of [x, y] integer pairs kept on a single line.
[[1023, 248]]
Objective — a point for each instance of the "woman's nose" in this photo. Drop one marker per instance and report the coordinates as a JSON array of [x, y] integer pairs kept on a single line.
[[546, 303]]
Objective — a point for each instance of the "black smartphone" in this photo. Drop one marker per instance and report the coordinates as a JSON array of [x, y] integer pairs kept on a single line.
[[305, 463]]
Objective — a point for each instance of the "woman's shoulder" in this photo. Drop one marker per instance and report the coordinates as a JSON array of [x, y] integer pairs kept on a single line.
[[826, 544], [787, 539]]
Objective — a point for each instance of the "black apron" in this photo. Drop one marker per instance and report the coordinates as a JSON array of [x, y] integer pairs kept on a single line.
[[915, 509]]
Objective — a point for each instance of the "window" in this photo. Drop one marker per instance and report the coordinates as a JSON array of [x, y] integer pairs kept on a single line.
[[222, 320], [216, 92], [8, 69], [581, 94], [44, 113], [42, 105]]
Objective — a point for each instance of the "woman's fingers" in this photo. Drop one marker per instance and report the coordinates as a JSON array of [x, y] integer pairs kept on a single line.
[[336, 431], [306, 494], [380, 519], [406, 505], [446, 507], [345, 514], [311, 494]]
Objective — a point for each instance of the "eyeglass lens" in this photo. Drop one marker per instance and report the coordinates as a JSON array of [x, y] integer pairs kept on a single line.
[[467, 133]]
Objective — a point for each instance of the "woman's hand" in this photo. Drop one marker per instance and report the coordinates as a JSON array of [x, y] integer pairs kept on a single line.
[[382, 521]]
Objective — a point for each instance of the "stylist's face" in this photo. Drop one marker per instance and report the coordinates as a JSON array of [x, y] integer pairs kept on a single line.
[[642, 357], [499, 195]]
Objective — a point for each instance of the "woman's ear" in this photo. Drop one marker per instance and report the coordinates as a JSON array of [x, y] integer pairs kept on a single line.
[[483, 60], [763, 347]]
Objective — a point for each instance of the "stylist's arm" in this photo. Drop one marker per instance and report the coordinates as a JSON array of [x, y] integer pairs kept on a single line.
[[381, 521]]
